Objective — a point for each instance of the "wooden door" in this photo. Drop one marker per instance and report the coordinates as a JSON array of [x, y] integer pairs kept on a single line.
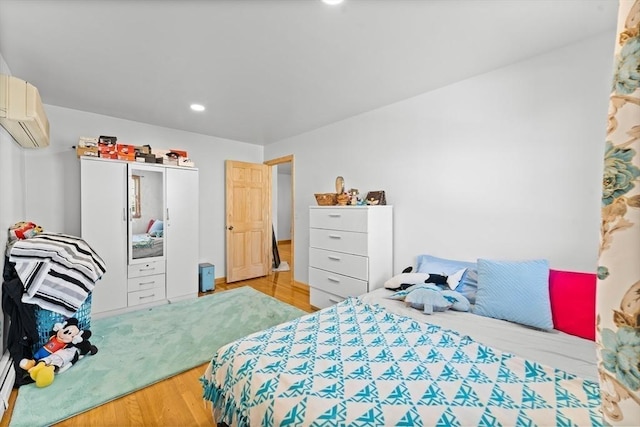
[[248, 206]]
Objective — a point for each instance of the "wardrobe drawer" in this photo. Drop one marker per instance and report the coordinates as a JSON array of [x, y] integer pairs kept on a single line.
[[146, 269], [341, 241], [347, 219], [350, 265], [336, 284], [145, 297], [146, 282], [321, 299]]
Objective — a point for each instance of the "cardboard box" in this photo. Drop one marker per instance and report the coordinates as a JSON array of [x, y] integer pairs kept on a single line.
[[106, 148], [142, 149], [147, 158], [185, 162], [86, 141], [87, 151], [126, 152], [125, 149], [109, 155], [107, 139], [167, 157], [107, 151], [180, 153]]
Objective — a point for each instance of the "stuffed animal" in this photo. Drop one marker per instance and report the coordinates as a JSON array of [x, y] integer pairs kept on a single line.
[[430, 298], [66, 345], [23, 230], [407, 279]]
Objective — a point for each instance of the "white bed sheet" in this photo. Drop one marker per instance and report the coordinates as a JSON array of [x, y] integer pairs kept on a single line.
[[567, 352]]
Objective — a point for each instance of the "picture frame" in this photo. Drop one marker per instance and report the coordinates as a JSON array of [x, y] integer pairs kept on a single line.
[[376, 198]]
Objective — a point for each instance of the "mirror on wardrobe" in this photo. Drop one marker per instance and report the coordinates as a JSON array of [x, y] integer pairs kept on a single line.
[[146, 213]]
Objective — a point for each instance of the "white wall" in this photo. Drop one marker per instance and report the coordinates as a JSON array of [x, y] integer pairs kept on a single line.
[[12, 192], [53, 173], [274, 198], [503, 165], [283, 230]]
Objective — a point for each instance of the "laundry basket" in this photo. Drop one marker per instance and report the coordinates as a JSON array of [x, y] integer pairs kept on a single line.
[[46, 319]]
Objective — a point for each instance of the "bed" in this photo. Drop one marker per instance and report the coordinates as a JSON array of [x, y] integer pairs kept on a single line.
[[374, 361], [146, 246]]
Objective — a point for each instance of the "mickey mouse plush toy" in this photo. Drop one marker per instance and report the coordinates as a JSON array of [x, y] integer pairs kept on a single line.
[[66, 345]]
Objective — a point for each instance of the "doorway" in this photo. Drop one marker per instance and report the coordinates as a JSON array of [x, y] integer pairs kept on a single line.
[[282, 209]]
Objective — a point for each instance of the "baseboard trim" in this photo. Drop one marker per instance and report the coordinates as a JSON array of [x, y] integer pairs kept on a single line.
[[303, 287]]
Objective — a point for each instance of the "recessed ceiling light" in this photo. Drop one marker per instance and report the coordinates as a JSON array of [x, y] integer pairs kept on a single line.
[[197, 107], [332, 2]]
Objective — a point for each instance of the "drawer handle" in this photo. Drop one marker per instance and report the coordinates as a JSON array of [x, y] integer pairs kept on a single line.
[[147, 283], [336, 215], [335, 258], [147, 269], [335, 300], [333, 279], [335, 236], [147, 296]]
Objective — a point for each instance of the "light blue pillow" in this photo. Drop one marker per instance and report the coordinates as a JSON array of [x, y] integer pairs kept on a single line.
[[468, 284], [517, 291], [157, 226], [435, 265]]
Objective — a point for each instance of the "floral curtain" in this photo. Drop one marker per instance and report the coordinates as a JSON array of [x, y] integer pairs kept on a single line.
[[618, 294]]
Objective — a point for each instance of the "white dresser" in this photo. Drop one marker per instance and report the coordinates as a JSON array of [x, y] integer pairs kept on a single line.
[[350, 251]]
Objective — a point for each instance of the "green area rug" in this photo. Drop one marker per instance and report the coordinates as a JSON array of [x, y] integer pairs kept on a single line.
[[143, 347]]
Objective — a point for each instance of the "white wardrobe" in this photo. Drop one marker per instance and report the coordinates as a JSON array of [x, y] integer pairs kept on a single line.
[[120, 201]]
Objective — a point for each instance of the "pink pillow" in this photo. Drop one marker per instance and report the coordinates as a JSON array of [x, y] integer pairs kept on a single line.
[[151, 221], [573, 302]]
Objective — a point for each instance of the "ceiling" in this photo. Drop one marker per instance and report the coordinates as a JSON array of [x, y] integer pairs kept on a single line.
[[270, 69]]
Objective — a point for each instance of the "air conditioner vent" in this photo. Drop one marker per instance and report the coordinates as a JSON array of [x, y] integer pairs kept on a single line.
[[22, 113]]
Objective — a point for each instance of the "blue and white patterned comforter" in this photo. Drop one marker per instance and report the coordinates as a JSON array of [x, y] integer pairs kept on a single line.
[[358, 365]]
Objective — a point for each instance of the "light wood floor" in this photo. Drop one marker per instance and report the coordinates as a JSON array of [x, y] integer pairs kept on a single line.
[[177, 401]]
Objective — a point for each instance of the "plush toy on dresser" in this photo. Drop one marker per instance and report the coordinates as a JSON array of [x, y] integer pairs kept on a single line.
[[66, 345]]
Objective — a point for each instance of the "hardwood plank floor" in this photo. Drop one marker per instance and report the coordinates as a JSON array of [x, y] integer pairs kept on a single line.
[[177, 401]]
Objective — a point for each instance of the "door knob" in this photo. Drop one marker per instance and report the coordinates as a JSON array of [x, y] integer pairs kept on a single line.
[[230, 227]]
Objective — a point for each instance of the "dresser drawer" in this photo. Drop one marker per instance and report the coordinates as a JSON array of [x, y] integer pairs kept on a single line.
[[145, 296], [346, 219], [336, 284], [321, 299], [349, 265], [146, 269], [341, 241], [146, 282]]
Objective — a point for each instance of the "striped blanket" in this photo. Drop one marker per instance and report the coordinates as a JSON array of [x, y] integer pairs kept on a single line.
[[57, 271], [355, 364]]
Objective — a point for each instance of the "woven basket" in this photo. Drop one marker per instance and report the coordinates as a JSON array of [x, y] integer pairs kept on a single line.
[[326, 199], [46, 319]]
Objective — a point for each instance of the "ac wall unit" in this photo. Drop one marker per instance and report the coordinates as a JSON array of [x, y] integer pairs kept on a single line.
[[21, 112]]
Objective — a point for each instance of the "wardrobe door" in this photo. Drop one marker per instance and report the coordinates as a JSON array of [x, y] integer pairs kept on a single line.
[[182, 233], [103, 212], [147, 206]]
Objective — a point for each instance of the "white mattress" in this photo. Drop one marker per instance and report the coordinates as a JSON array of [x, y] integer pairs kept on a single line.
[[554, 348]]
